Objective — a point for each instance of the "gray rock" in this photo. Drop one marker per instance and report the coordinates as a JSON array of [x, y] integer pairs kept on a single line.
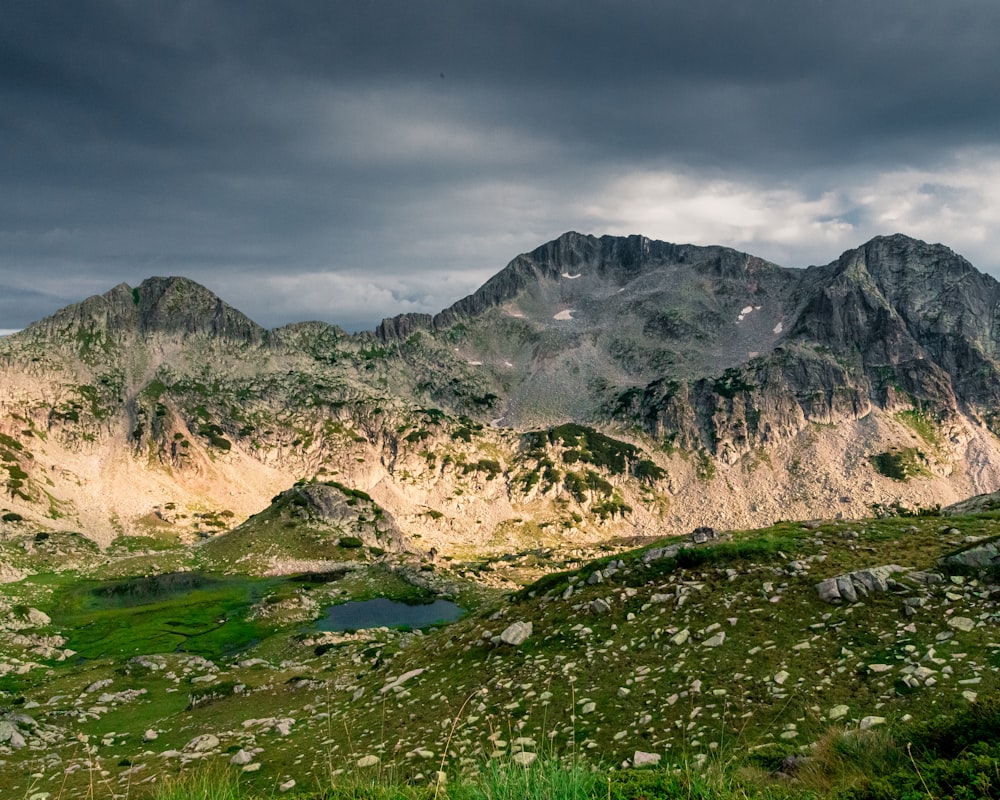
[[202, 744], [599, 606], [980, 557], [516, 633], [241, 758], [845, 586], [642, 759], [828, 591]]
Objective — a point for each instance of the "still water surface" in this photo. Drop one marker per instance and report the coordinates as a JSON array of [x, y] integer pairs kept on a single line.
[[379, 612]]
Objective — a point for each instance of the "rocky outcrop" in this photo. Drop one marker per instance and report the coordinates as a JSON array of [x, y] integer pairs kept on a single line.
[[854, 586]]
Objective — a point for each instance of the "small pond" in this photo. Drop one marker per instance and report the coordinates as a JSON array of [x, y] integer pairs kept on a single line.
[[359, 614]]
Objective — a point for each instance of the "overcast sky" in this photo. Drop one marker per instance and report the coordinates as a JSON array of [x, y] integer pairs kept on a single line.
[[346, 160]]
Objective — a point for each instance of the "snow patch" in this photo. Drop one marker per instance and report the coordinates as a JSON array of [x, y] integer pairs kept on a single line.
[[743, 312], [779, 327], [572, 277], [564, 315], [474, 363], [507, 364]]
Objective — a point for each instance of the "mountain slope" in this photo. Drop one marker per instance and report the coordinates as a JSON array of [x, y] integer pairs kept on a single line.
[[872, 380]]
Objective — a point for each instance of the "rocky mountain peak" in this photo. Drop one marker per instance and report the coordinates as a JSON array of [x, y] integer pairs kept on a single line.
[[173, 306]]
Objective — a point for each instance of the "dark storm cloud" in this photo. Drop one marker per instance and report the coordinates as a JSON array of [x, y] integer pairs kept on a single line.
[[397, 153]]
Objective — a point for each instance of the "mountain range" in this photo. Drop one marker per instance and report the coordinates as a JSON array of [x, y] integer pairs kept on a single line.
[[594, 388]]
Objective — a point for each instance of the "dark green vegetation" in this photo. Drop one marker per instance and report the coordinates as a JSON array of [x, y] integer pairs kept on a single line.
[[179, 612], [586, 445], [901, 464]]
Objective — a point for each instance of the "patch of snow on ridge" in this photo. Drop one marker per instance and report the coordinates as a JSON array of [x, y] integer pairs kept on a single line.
[[564, 315], [746, 310], [779, 327], [572, 277]]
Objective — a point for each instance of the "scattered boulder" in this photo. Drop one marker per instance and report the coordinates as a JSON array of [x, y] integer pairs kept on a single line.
[[853, 586], [516, 633], [981, 557], [202, 744], [599, 606], [703, 534], [397, 683], [642, 759]]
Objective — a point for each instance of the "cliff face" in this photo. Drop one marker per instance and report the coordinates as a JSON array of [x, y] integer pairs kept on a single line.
[[874, 377]]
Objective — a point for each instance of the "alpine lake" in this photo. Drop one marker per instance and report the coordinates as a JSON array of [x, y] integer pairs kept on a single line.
[[221, 615]]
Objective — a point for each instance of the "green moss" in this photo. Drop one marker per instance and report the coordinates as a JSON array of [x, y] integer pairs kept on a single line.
[[921, 424], [901, 465]]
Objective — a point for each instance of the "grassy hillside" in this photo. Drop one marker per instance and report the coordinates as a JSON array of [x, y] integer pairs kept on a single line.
[[712, 658]]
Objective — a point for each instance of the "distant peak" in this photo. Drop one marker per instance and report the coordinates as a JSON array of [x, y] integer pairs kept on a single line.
[[172, 306]]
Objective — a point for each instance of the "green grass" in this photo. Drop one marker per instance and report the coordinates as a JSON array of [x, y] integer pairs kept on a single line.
[[720, 740], [205, 620]]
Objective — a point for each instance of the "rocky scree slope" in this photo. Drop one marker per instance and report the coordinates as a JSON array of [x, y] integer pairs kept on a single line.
[[872, 380]]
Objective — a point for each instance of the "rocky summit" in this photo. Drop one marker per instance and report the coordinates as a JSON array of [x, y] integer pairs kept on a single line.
[[679, 497]]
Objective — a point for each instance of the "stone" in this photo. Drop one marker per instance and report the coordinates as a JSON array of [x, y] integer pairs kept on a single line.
[[870, 722], [642, 759], [780, 677], [241, 758], [516, 633], [599, 606], [680, 637], [287, 786], [715, 640], [963, 624], [367, 761], [828, 591], [202, 744], [38, 619], [838, 712], [150, 735], [845, 586], [398, 682]]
